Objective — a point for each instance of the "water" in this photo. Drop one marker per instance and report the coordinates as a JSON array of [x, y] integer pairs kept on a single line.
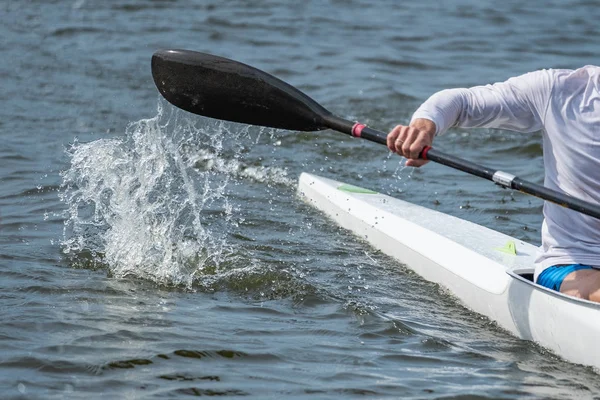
[[149, 253]]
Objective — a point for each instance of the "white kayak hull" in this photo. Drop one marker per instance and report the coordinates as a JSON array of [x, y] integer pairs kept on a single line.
[[466, 258]]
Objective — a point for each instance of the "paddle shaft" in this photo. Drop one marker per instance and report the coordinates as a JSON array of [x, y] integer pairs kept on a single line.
[[499, 177]]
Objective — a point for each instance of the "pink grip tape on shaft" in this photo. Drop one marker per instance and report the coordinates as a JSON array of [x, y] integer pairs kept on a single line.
[[357, 129], [424, 152]]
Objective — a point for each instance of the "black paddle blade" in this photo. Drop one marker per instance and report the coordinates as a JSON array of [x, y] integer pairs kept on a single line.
[[224, 89]]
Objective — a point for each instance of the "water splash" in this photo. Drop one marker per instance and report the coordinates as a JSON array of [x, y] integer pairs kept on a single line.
[[164, 203], [139, 205]]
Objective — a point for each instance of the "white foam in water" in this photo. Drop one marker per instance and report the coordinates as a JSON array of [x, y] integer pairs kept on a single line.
[[206, 160], [154, 204]]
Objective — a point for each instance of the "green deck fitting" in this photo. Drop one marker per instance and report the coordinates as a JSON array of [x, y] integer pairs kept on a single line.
[[509, 248], [354, 189]]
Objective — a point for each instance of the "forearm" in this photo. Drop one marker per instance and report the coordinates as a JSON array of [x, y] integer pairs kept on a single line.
[[507, 105]]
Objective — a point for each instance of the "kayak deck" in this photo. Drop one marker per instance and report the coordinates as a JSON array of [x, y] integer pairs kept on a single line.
[[488, 271]]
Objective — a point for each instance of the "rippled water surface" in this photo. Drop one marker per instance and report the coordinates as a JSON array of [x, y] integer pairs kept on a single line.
[[150, 253]]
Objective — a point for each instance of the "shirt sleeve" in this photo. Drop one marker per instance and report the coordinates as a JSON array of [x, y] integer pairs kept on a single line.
[[518, 104]]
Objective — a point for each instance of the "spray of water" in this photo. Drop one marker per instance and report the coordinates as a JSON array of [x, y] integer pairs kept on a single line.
[[154, 203]]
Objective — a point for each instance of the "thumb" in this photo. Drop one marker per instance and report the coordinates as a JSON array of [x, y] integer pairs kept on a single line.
[[416, 163]]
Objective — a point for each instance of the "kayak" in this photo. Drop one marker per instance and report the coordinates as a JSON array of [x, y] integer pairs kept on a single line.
[[489, 272]]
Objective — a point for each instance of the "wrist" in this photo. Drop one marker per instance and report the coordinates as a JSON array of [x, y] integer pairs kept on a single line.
[[425, 125]]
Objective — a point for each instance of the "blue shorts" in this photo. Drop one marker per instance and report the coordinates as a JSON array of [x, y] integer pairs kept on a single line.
[[552, 277]]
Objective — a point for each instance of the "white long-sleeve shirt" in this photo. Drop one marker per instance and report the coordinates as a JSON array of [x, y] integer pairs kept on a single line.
[[565, 105]]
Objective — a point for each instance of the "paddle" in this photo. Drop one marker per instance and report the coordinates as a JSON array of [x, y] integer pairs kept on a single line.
[[224, 89]]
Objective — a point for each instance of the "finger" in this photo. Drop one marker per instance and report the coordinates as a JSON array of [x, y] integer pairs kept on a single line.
[[411, 136], [415, 150], [404, 140], [419, 141], [391, 138], [398, 145], [398, 139]]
